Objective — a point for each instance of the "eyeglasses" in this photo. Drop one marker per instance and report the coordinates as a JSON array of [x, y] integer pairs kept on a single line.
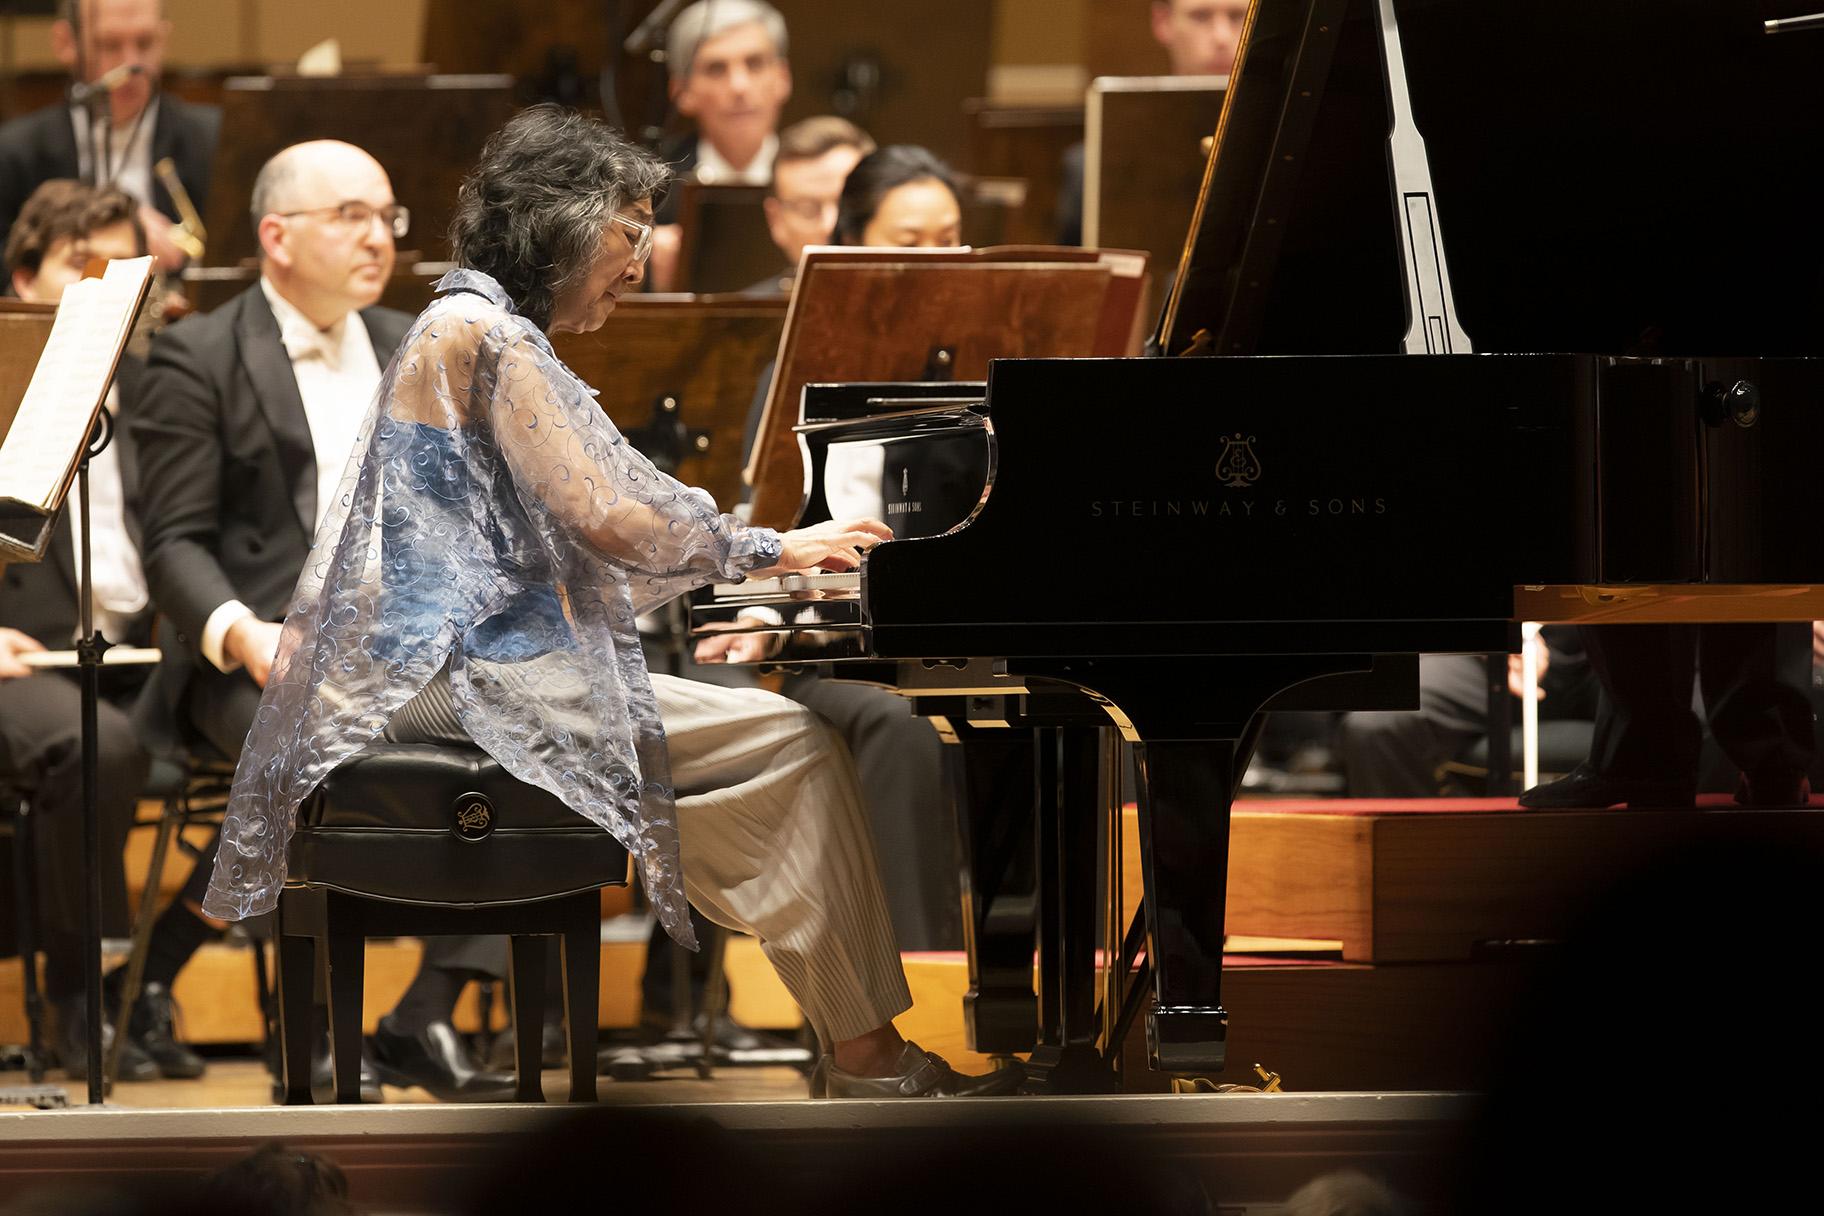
[[810, 210], [356, 216], [642, 235]]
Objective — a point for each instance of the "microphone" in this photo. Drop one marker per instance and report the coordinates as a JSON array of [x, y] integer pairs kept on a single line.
[[107, 82], [650, 33]]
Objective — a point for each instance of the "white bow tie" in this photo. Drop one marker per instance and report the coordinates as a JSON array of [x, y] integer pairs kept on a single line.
[[303, 340]]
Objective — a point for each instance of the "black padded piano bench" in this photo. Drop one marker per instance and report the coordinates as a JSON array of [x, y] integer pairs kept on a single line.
[[418, 840]]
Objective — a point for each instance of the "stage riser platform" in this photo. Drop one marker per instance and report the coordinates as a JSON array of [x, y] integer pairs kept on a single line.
[[1436, 885]]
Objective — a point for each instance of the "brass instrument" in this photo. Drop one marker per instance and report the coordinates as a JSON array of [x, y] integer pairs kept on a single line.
[[189, 235]]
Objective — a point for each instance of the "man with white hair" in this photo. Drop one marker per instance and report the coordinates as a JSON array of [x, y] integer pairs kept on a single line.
[[730, 76], [249, 414]]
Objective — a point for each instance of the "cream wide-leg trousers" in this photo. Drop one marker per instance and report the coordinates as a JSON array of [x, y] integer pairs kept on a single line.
[[774, 841]]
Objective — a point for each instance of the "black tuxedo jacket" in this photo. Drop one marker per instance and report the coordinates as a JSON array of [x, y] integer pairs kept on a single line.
[[39, 598], [227, 486], [36, 147]]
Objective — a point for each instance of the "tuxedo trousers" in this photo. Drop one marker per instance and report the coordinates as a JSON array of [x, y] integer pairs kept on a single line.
[[774, 841]]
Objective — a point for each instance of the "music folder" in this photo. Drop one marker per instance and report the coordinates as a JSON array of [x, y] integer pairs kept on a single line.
[[42, 450]]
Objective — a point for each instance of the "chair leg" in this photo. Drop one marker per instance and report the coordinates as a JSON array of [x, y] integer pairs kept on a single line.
[[582, 980], [143, 918], [715, 999], [297, 982], [347, 965], [25, 887], [528, 955]]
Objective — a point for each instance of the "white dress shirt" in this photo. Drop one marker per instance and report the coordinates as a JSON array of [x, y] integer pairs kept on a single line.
[[130, 156], [713, 170], [337, 374], [117, 582]]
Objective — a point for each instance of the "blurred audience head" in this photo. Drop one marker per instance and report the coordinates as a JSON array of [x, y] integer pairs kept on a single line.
[[275, 1181], [559, 211], [113, 33], [815, 157], [903, 196], [1201, 36], [1345, 1193], [326, 219], [62, 225], [729, 73]]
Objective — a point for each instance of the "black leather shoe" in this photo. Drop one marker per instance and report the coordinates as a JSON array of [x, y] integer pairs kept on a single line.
[[435, 1059], [73, 1038], [154, 1029], [1585, 788], [920, 1074]]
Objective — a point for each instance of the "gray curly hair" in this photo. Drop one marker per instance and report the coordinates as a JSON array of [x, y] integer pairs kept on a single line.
[[531, 213]]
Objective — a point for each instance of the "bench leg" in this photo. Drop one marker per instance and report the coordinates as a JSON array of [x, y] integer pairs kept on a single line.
[[528, 954], [297, 982], [582, 979], [347, 966]]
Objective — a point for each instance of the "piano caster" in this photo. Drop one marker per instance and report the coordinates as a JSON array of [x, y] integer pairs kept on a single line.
[[1186, 1040]]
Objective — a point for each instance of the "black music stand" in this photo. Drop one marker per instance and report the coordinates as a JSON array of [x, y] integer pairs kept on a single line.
[[91, 646]]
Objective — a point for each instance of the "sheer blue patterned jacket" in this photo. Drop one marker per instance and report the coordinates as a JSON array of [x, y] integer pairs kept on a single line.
[[491, 516]]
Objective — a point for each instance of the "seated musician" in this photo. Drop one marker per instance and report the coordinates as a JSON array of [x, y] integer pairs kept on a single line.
[[500, 472], [62, 225], [1405, 753], [243, 428], [1647, 748], [731, 78], [815, 157], [92, 38], [1200, 38], [900, 196]]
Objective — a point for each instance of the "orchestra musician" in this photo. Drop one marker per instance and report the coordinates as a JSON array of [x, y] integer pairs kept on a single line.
[[62, 225], [247, 419], [498, 467], [96, 39], [1200, 38], [815, 157], [730, 76], [1648, 742]]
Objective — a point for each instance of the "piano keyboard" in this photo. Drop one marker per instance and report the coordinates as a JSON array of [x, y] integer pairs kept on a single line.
[[790, 585]]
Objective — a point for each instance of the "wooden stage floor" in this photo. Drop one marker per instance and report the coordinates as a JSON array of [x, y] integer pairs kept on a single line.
[[1251, 1151]]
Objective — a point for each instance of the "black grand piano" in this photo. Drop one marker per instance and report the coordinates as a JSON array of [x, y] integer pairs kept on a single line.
[[1335, 480]]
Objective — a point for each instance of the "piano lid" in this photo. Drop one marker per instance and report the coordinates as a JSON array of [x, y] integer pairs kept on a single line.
[[1610, 177]]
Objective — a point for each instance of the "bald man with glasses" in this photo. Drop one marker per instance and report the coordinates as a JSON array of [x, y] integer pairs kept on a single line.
[[249, 414]]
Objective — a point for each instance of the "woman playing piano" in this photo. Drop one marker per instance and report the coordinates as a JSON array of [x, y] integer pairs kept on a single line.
[[479, 578]]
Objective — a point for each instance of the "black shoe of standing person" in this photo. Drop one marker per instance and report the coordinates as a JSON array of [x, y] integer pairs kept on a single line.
[[73, 1045], [154, 1030], [436, 1059], [1586, 788]]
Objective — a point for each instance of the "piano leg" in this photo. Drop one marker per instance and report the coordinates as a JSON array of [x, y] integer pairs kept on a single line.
[[1186, 787], [993, 778], [1067, 1058]]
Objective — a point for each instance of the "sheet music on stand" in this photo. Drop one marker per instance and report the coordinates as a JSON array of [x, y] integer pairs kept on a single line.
[[50, 433]]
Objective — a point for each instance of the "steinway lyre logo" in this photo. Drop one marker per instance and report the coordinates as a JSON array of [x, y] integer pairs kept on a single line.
[[1238, 467], [474, 817]]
